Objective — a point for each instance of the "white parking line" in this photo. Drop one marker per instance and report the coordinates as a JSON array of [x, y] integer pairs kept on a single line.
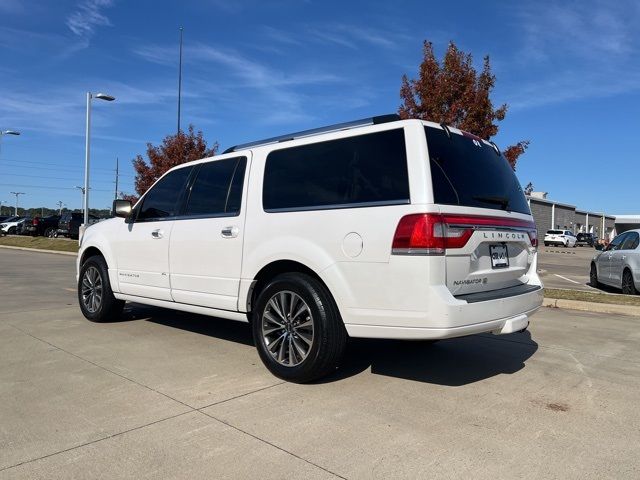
[[565, 278]]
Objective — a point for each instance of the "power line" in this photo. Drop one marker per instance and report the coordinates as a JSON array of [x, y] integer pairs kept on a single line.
[[49, 187], [57, 165]]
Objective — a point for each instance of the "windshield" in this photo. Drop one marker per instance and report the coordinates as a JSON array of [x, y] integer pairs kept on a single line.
[[466, 171]]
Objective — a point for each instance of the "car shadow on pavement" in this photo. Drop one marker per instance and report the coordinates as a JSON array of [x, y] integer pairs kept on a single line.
[[452, 362], [221, 328]]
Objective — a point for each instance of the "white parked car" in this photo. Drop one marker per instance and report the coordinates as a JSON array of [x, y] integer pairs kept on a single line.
[[619, 264], [11, 225], [378, 228], [560, 237]]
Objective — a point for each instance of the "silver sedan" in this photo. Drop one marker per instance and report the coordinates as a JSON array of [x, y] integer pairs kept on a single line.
[[619, 264]]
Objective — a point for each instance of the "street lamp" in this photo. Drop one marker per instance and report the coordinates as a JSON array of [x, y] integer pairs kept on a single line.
[[1, 202], [85, 190], [6, 132], [17, 194], [81, 196]]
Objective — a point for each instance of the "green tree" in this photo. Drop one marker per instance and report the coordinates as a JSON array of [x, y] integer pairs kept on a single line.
[[454, 93]]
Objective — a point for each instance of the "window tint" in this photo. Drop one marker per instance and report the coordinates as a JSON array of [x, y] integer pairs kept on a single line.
[[162, 200], [554, 232], [631, 242], [357, 170], [217, 189], [617, 242], [468, 172]]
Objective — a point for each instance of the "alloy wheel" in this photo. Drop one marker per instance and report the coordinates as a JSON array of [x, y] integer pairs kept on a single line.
[[92, 289], [627, 283], [287, 328]]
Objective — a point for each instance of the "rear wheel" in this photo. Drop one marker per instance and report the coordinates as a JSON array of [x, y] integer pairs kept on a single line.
[[12, 231], [628, 287], [48, 232], [95, 296], [593, 276], [297, 328]]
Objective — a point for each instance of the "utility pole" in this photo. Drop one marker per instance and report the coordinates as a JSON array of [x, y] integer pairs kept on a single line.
[[116, 194], [180, 81], [17, 194], [60, 204], [1, 202]]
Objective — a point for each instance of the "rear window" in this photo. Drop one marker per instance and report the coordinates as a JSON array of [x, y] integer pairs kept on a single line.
[[468, 172], [357, 171], [555, 232]]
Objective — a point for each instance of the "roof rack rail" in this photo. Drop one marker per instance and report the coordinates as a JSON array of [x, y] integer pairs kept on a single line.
[[316, 131]]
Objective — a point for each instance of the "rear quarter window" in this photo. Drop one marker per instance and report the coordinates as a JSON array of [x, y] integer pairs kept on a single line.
[[364, 170]]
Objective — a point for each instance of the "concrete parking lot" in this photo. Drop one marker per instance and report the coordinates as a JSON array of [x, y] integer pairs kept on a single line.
[[162, 394]]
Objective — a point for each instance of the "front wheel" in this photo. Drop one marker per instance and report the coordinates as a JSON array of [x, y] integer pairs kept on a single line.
[[297, 328], [48, 232], [95, 296], [628, 287]]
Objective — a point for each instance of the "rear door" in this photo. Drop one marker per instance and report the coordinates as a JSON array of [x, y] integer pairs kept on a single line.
[[206, 242], [485, 215], [605, 260]]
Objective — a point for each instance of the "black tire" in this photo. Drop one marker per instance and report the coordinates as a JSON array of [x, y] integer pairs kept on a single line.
[[593, 277], [12, 231], [546, 244], [109, 307], [628, 287], [48, 232], [329, 336]]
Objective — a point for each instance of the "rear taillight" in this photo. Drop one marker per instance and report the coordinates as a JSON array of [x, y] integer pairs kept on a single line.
[[35, 222], [433, 233]]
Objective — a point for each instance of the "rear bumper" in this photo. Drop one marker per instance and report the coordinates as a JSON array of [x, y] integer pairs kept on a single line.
[[449, 319]]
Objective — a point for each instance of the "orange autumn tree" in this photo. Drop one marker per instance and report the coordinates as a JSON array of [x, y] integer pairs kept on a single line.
[[175, 149], [454, 93]]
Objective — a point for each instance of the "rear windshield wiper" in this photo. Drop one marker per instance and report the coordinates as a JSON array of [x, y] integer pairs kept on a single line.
[[497, 200]]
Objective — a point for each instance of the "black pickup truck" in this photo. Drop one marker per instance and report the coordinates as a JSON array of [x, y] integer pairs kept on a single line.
[[45, 226]]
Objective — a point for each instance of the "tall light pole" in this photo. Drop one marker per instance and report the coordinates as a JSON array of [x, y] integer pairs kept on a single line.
[[6, 132], [17, 194], [180, 81], [1, 202], [108, 98], [60, 205]]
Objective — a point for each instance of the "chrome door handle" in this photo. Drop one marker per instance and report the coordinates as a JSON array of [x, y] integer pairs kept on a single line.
[[230, 232], [157, 233]]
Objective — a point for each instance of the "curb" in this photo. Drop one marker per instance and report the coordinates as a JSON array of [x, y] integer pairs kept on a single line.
[[630, 310], [75, 254]]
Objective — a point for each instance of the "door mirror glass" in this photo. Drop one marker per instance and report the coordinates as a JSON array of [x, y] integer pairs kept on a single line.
[[121, 208], [599, 246]]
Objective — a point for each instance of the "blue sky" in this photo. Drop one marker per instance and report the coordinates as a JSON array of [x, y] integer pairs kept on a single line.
[[570, 72]]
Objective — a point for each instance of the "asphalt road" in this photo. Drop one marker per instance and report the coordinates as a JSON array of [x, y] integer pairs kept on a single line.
[[171, 395], [566, 267]]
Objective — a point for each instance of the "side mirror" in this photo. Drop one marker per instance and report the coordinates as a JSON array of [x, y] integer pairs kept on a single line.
[[121, 208], [599, 246]]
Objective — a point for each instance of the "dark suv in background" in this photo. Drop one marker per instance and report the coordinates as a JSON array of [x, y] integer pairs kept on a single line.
[[69, 224], [588, 239]]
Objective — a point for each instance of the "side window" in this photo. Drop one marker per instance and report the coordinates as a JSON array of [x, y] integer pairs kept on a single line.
[[631, 242], [366, 169], [217, 189], [617, 242], [162, 200]]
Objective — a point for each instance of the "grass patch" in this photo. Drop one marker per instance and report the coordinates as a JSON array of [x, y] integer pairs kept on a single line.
[[41, 243], [596, 297]]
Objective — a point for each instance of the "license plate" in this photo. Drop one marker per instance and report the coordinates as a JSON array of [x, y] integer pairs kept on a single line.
[[499, 256]]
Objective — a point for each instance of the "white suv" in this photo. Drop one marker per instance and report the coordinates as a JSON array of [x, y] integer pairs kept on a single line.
[[379, 228], [560, 237]]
